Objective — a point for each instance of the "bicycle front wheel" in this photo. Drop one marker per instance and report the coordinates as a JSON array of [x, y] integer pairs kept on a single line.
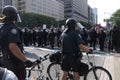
[[54, 71], [36, 72], [98, 73]]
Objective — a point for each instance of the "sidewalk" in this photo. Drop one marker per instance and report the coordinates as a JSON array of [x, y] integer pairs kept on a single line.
[[112, 63]]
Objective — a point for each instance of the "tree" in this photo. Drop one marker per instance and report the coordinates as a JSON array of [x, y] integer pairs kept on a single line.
[[115, 18], [86, 25], [31, 20]]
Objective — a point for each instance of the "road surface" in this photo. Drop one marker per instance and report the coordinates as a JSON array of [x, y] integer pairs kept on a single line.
[[110, 61]]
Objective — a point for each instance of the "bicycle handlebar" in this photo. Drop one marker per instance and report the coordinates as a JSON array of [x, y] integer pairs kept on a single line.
[[38, 61]]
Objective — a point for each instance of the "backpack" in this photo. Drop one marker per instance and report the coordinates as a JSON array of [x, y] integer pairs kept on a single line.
[[83, 68], [56, 57]]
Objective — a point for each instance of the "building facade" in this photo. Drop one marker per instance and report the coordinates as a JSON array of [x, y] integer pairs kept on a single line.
[[95, 18], [58, 9], [51, 8], [77, 9], [92, 15], [3, 3]]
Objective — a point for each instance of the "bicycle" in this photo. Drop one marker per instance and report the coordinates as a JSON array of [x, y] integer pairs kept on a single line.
[[37, 69], [93, 73]]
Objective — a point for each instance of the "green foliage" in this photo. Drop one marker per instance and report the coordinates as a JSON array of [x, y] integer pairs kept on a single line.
[[35, 20], [86, 25], [115, 18], [31, 20]]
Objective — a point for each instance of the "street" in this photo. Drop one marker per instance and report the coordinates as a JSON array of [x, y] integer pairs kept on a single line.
[[34, 28], [110, 61]]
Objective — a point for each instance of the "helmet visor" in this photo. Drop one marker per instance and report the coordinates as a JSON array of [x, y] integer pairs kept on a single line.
[[79, 25], [18, 18]]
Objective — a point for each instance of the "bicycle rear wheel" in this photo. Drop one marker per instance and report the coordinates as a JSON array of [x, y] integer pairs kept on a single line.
[[54, 71], [100, 72]]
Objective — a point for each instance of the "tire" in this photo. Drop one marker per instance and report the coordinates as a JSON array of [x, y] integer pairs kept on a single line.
[[54, 71], [102, 74]]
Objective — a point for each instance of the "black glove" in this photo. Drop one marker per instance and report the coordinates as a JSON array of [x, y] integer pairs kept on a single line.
[[28, 63], [90, 51]]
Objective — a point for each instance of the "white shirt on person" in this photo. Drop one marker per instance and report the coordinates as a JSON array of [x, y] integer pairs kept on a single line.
[[9, 75]]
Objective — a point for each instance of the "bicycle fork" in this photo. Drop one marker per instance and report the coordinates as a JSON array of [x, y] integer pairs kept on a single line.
[[41, 76], [94, 71]]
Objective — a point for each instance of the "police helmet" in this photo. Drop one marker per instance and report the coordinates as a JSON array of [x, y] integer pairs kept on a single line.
[[71, 23], [11, 13]]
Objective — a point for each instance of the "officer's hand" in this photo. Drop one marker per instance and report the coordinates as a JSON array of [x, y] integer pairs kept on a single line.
[[28, 63], [90, 51]]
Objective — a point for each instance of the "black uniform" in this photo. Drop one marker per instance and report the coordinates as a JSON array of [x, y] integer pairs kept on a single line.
[[102, 37], [26, 36], [11, 34], [45, 34], [39, 35], [70, 41], [93, 36], [51, 37]]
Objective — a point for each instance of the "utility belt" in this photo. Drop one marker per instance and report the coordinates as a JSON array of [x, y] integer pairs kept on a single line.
[[76, 54], [9, 60], [8, 56], [71, 53]]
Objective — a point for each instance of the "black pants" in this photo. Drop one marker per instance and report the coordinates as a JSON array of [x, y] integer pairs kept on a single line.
[[101, 45], [93, 44], [70, 62]]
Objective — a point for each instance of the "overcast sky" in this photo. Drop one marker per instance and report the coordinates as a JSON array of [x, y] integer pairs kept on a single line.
[[105, 8]]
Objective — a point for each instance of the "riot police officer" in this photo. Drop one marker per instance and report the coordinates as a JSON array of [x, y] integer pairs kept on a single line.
[[51, 37], [11, 43], [102, 37], [71, 43]]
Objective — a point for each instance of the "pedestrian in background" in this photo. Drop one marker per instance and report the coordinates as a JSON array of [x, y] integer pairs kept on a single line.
[[93, 38], [102, 37], [51, 38], [11, 44]]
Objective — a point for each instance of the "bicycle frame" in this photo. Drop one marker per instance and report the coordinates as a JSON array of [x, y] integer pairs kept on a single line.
[[95, 70], [92, 66], [39, 65]]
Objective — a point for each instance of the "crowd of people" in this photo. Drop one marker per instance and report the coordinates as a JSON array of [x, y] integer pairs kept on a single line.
[[40, 37], [102, 39]]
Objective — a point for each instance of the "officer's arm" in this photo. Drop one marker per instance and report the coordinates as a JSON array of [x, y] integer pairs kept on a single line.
[[83, 48], [17, 52]]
